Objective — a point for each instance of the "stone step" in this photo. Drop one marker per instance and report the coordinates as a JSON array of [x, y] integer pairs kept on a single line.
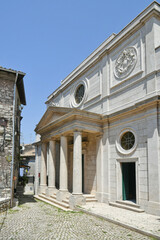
[[91, 200], [89, 195], [67, 197], [128, 203], [127, 207], [58, 203], [66, 201], [53, 196], [51, 203]]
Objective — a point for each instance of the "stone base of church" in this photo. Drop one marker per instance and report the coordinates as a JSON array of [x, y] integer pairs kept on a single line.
[[76, 199], [62, 194], [50, 191]]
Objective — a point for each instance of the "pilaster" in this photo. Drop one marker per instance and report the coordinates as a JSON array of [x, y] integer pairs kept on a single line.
[[99, 167]]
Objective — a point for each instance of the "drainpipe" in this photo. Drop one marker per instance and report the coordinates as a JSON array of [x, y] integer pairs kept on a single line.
[[13, 139]]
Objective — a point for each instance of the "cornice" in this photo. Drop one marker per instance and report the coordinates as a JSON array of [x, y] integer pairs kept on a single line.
[[96, 123], [135, 109]]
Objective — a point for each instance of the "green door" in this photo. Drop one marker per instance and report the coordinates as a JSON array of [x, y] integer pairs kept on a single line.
[[128, 181], [82, 173]]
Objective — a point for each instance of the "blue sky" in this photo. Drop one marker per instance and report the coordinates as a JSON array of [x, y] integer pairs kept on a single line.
[[47, 39]]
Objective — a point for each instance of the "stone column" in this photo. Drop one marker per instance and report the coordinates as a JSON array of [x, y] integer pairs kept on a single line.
[[51, 167], [43, 167], [63, 188], [77, 163], [77, 198]]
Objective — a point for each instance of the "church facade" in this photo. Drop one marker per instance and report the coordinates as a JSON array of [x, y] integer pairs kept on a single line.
[[100, 134]]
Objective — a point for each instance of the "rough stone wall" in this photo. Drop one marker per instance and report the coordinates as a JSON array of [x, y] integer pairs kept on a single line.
[[6, 112]]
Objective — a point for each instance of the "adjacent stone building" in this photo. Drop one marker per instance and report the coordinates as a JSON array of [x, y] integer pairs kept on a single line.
[[27, 164], [12, 97], [100, 134]]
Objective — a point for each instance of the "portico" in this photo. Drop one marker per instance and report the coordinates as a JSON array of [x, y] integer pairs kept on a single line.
[[61, 151]]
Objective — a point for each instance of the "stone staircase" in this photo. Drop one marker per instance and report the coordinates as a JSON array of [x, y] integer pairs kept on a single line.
[[53, 201], [127, 205], [90, 198], [64, 205]]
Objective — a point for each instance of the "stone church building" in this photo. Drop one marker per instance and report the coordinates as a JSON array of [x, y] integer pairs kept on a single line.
[[100, 134]]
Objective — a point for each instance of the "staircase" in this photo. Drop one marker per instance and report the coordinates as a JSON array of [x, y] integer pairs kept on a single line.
[[90, 198], [64, 205], [127, 205]]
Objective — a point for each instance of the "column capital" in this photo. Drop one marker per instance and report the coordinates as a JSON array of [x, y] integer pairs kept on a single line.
[[99, 136], [52, 140], [77, 131], [63, 135]]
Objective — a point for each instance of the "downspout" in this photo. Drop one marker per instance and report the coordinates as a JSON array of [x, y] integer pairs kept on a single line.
[[13, 139]]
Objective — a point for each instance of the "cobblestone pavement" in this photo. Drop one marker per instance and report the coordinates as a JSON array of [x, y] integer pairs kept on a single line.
[[37, 220]]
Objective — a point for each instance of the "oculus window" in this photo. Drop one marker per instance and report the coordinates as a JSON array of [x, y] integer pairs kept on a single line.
[[127, 140], [79, 94]]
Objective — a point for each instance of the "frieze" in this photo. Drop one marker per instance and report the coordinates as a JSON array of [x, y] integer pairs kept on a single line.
[[125, 63]]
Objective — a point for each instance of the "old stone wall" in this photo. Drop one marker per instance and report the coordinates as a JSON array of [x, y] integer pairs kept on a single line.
[[6, 112], [6, 145]]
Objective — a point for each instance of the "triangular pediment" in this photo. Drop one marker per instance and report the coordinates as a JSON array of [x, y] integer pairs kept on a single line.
[[52, 114]]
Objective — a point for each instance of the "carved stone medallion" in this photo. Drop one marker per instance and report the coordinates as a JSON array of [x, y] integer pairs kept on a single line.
[[125, 63]]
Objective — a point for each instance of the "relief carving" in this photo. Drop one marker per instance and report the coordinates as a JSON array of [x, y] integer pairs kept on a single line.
[[125, 63]]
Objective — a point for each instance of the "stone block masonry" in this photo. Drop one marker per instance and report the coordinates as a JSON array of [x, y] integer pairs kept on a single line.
[[12, 95]]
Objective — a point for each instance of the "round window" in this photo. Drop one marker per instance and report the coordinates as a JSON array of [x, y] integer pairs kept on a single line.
[[127, 140], [79, 93]]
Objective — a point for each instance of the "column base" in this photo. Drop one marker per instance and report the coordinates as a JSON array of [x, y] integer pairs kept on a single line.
[[62, 194], [43, 188], [76, 199], [51, 190]]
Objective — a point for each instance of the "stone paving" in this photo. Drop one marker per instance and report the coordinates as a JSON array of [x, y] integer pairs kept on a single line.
[[143, 221], [37, 220]]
